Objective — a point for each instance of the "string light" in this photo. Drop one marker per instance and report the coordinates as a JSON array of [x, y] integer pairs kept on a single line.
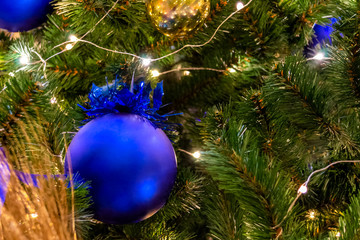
[[24, 59], [186, 73], [303, 189], [11, 74], [101, 19], [33, 215], [239, 6], [319, 56], [53, 100], [192, 69], [208, 41], [155, 73], [146, 61], [196, 154], [73, 38], [69, 46], [312, 215]]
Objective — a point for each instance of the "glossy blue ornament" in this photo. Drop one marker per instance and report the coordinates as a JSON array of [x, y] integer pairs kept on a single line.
[[4, 177], [23, 15], [322, 33], [322, 36], [130, 163]]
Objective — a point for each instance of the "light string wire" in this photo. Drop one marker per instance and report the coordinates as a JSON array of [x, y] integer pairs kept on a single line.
[[208, 41], [299, 192], [92, 29], [107, 13], [303, 185], [192, 69], [189, 153], [134, 55], [182, 69], [307, 182]]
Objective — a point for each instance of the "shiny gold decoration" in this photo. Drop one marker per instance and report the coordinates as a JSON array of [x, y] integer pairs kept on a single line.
[[178, 18]]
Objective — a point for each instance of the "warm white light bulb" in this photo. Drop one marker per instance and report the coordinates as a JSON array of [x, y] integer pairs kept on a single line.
[[155, 73], [319, 56], [24, 59], [312, 215], [338, 234], [239, 6], [231, 70], [146, 61], [34, 215], [186, 73], [73, 38], [303, 189], [53, 100], [69, 46], [196, 154]]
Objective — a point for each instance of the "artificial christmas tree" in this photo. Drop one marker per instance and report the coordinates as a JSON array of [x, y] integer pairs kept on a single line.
[[267, 146]]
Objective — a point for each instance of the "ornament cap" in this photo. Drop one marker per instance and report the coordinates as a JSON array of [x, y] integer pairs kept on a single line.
[[117, 97]]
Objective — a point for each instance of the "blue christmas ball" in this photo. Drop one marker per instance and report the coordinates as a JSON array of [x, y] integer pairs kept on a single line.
[[323, 33], [23, 15], [322, 36], [131, 166]]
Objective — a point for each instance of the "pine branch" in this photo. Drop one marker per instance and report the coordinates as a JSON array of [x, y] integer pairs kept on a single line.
[[238, 168], [16, 95], [349, 222], [184, 197], [305, 105], [225, 216]]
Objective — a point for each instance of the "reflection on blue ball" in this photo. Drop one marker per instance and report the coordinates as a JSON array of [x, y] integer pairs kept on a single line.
[[130, 163], [322, 33], [23, 15], [322, 36]]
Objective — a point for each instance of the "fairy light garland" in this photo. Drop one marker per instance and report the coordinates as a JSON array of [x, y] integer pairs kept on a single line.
[[196, 154], [303, 189], [186, 70], [73, 40]]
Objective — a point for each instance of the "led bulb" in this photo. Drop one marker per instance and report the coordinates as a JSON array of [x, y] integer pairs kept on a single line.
[[312, 215], [338, 234], [12, 74], [186, 73], [196, 154], [303, 189], [146, 61], [231, 70], [239, 6], [69, 46], [155, 73], [73, 38], [24, 59], [53, 100], [319, 56]]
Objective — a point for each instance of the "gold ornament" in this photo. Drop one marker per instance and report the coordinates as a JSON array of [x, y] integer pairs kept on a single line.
[[178, 18]]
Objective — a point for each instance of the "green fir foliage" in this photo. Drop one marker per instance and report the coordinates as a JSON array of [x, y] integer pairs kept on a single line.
[[262, 124]]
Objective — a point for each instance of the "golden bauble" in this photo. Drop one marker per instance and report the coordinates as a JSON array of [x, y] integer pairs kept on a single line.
[[178, 18]]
